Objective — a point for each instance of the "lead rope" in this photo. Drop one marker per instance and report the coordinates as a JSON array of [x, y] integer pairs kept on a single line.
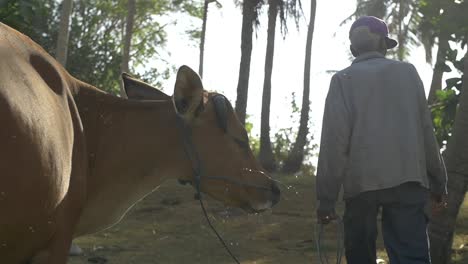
[[221, 240], [192, 154], [319, 232]]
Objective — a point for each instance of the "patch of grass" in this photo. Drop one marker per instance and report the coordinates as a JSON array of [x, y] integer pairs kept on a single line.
[[168, 227]]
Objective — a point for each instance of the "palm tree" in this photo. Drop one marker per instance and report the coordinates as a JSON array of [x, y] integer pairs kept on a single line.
[[266, 156], [442, 226], [284, 8], [202, 38], [64, 30], [294, 161], [131, 5], [250, 10], [203, 33]]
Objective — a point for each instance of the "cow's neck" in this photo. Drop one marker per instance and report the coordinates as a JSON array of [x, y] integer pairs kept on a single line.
[[132, 147]]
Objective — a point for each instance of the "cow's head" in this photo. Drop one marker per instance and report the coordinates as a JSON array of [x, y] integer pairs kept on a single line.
[[230, 172]]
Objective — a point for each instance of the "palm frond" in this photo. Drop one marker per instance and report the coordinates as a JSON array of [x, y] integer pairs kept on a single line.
[[289, 9], [258, 5]]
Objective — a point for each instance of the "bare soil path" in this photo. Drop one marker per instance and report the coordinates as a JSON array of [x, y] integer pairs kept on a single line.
[[168, 227]]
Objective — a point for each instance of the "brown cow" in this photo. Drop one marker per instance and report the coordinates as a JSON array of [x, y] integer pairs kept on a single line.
[[74, 159]]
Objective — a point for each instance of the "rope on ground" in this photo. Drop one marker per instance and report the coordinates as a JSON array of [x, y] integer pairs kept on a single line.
[[221, 240], [319, 235]]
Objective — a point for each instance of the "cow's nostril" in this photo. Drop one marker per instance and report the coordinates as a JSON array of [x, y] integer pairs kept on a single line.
[[276, 193]]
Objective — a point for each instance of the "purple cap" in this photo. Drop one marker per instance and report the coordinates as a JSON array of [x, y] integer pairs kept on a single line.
[[375, 25]]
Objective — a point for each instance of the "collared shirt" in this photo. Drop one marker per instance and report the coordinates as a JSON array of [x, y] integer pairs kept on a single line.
[[377, 131]]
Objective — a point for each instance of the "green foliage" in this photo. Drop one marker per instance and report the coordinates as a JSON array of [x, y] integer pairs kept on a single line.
[[96, 39], [254, 140], [35, 18], [440, 17], [193, 8], [284, 138], [197, 11], [443, 114], [454, 23], [194, 33], [96, 34], [444, 111], [94, 53]]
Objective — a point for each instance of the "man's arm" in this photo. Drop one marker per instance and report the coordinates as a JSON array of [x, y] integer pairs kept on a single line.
[[336, 130], [434, 162]]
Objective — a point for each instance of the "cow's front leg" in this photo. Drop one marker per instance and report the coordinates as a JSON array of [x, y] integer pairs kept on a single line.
[[68, 215], [57, 250]]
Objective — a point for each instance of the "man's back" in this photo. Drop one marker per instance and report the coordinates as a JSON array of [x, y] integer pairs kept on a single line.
[[377, 131], [386, 147], [378, 143]]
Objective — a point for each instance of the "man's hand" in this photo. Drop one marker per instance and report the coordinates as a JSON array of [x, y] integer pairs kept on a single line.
[[438, 203], [324, 217]]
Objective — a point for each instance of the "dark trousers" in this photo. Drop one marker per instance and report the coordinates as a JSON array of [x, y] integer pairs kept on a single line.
[[404, 225]]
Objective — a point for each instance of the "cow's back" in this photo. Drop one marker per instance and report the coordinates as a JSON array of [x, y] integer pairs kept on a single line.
[[36, 139]]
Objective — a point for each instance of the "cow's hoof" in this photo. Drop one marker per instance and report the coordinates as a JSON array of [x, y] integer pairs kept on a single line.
[[75, 251]]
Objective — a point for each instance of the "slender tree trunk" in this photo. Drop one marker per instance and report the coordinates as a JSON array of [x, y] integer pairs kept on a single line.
[[64, 30], [266, 156], [436, 84], [202, 40], [294, 161], [401, 35], [131, 5], [442, 227], [248, 18]]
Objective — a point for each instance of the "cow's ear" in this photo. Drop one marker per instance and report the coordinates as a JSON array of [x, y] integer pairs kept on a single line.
[[188, 93], [139, 90]]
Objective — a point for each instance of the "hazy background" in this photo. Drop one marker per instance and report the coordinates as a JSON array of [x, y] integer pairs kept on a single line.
[[222, 57]]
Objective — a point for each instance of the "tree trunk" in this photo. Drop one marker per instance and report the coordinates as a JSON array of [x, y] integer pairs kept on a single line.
[[442, 227], [266, 156], [62, 39], [436, 84], [294, 161], [248, 18], [202, 40], [401, 35], [131, 5]]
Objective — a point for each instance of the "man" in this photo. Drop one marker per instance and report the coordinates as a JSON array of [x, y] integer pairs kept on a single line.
[[378, 143]]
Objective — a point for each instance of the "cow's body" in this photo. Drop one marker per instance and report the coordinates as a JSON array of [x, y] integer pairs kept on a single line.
[[74, 159], [41, 137]]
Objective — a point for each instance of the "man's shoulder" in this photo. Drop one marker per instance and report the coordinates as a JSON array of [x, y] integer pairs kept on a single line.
[[398, 62], [373, 63]]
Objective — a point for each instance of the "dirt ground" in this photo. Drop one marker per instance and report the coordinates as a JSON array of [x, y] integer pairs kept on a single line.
[[168, 227]]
